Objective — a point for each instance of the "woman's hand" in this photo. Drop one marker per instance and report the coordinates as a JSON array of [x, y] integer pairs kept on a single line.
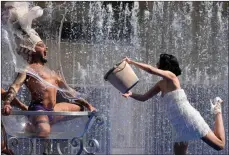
[[126, 95], [128, 60]]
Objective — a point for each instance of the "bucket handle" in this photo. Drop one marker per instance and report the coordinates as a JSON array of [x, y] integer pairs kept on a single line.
[[115, 67], [120, 69]]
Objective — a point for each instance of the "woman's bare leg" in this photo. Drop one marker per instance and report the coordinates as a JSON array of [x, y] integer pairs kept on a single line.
[[217, 139], [180, 148]]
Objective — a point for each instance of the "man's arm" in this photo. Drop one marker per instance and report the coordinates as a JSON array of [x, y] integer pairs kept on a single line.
[[13, 90], [15, 102]]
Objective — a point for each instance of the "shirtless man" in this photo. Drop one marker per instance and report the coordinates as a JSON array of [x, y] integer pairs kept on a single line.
[[43, 97]]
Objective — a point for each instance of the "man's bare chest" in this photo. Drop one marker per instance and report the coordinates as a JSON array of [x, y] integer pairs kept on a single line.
[[44, 73]]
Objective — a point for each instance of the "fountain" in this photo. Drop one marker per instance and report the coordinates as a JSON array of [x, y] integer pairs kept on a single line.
[[86, 38]]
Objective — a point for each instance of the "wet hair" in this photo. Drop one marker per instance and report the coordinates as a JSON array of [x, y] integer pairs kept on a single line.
[[170, 63]]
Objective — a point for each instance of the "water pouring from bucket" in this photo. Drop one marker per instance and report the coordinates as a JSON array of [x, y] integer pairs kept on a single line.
[[122, 77]]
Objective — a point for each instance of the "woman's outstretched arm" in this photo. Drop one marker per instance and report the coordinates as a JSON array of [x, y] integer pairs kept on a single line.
[[152, 70], [149, 94]]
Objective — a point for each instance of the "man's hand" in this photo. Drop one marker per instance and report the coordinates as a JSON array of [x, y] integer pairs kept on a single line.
[[128, 94], [128, 60], [86, 104], [91, 108], [6, 109], [3, 91]]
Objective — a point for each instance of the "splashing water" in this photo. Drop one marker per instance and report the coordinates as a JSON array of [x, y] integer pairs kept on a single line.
[[95, 36]]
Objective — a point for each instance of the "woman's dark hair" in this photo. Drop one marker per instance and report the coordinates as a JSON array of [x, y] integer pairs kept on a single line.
[[170, 63]]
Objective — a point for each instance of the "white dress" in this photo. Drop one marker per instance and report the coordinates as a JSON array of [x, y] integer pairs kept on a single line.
[[186, 121]]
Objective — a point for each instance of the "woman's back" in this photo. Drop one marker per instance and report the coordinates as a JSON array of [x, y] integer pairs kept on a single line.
[[167, 85]]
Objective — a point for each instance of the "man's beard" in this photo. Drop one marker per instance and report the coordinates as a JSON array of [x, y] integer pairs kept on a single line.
[[42, 59]]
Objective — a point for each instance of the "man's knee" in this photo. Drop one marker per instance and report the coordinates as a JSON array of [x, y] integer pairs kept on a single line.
[[43, 129], [68, 107]]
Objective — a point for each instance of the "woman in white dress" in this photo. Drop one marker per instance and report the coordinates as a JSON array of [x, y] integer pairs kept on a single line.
[[186, 121]]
